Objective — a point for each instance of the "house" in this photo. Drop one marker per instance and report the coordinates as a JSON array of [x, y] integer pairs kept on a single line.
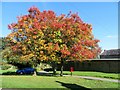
[[113, 53]]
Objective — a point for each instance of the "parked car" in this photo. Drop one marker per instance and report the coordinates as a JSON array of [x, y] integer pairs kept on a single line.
[[25, 71]]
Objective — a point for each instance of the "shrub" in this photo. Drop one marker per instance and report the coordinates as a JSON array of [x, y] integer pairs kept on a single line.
[[5, 67]]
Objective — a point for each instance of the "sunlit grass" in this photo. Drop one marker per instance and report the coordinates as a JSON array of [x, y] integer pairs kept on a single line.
[[52, 82]]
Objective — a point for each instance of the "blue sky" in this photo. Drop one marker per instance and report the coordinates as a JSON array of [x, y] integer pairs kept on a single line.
[[102, 15]]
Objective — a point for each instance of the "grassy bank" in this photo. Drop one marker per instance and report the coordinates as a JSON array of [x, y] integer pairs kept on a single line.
[[94, 74], [53, 82]]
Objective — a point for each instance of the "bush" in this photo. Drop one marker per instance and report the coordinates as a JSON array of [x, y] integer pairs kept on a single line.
[[5, 67]]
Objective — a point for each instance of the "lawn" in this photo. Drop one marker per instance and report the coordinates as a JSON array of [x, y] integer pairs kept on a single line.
[[94, 74], [5, 71], [81, 73], [68, 82]]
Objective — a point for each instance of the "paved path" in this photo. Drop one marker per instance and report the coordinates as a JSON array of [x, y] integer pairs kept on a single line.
[[96, 78]]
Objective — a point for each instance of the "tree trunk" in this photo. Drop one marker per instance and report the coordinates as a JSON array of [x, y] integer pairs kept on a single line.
[[54, 68], [61, 72], [35, 72], [54, 71]]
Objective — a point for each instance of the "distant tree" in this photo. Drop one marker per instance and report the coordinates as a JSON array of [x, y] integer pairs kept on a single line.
[[4, 43], [46, 37]]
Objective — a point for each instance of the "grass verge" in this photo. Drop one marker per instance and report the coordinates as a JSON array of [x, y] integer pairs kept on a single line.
[[53, 82], [93, 74]]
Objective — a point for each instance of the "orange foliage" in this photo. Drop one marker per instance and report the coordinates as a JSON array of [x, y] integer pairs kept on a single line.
[[46, 35]]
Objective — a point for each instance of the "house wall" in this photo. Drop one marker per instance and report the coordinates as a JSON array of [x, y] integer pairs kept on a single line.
[[108, 65]]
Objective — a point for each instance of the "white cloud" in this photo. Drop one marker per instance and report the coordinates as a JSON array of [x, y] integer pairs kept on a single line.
[[112, 36]]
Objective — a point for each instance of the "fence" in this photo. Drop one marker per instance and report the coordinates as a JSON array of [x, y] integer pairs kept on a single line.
[[102, 65]]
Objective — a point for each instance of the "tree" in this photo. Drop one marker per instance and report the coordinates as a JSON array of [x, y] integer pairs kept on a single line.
[[45, 37], [2, 43]]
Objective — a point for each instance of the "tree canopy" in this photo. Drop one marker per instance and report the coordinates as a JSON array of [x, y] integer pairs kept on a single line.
[[43, 36]]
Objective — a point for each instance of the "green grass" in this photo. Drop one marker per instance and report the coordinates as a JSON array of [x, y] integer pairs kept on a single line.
[[53, 82], [4, 71], [81, 73], [94, 74]]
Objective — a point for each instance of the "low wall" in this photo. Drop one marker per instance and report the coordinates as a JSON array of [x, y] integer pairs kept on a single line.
[[102, 65]]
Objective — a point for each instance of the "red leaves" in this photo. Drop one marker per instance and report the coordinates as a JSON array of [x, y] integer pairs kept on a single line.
[[83, 27], [96, 40], [76, 47], [15, 48], [65, 52], [32, 9], [56, 47], [89, 42], [51, 12], [66, 35], [74, 15], [10, 27], [73, 55], [56, 25], [36, 24], [76, 18], [35, 32], [25, 17]]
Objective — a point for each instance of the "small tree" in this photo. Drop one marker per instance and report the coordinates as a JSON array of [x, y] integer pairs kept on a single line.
[[43, 36]]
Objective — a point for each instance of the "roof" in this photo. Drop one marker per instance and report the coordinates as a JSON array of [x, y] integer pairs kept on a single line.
[[111, 52]]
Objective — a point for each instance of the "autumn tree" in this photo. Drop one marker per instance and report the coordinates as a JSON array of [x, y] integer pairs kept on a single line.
[[45, 37]]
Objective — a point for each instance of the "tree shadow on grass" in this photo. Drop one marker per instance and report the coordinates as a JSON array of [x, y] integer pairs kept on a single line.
[[72, 86], [44, 74], [13, 73], [9, 73]]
